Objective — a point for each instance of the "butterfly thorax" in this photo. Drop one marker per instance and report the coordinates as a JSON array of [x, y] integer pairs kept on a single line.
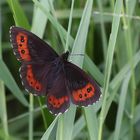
[[65, 56]]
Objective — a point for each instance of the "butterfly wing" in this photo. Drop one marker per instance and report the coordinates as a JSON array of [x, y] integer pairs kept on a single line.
[[28, 47], [58, 99], [84, 90], [36, 57], [35, 77]]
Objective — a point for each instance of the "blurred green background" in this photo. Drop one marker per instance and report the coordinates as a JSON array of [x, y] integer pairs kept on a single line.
[[107, 33]]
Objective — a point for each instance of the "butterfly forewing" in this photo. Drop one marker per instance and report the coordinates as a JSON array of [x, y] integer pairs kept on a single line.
[[36, 57], [28, 47]]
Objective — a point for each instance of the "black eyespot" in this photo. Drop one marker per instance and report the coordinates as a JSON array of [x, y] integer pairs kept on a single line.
[[20, 45], [22, 51], [22, 40], [85, 95], [89, 89], [80, 95]]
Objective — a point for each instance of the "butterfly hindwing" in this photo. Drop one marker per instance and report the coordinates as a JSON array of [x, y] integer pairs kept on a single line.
[[33, 78], [83, 90], [28, 47], [58, 100]]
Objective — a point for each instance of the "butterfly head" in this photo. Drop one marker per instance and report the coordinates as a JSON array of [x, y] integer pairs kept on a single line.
[[65, 56]]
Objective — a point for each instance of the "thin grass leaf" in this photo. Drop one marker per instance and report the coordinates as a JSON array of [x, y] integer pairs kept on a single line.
[[109, 60], [137, 114], [38, 14], [129, 48], [78, 126], [131, 6], [49, 130], [31, 108], [69, 25], [119, 77], [92, 122], [7, 78], [19, 16], [114, 84], [3, 109], [93, 70], [121, 107], [62, 32], [104, 38], [58, 27]]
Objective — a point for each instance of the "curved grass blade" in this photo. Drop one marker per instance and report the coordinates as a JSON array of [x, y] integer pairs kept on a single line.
[[121, 107], [49, 130], [109, 60], [38, 14], [3, 108], [18, 14], [8, 80]]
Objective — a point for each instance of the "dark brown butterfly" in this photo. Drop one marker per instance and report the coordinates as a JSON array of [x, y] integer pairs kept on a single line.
[[44, 72]]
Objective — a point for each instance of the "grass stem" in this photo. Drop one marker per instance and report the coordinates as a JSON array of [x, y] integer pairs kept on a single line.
[[128, 41], [69, 25], [31, 117]]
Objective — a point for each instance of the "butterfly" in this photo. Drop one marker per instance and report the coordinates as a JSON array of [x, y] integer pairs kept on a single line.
[[44, 73]]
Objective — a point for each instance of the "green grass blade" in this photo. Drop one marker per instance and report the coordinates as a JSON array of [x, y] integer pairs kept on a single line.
[[62, 32], [121, 107], [104, 38], [137, 114], [31, 108], [118, 78], [38, 14], [69, 25], [129, 48], [109, 60], [78, 126], [18, 14], [92, 122], [93, 70], [8, 80], [3, 109], [49, 130]]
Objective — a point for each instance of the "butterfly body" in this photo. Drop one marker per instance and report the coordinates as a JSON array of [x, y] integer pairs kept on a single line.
[[44, 72]]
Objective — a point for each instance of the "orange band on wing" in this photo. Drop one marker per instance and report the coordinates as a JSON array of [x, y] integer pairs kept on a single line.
[[23, 50], [83, 94], [57, 102], [31, 79]]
